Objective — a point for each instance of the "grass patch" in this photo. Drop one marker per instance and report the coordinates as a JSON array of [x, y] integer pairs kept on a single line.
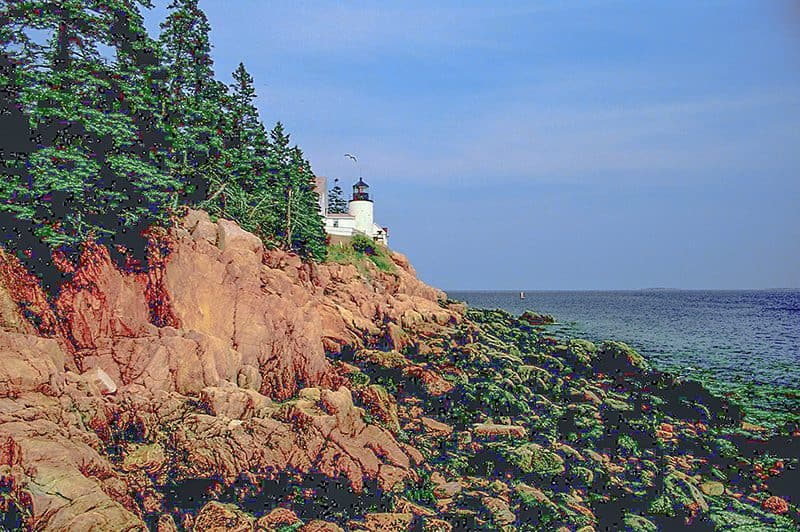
[[358, 251]]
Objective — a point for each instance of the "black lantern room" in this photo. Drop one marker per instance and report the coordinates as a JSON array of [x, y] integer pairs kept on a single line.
[[361, 191]]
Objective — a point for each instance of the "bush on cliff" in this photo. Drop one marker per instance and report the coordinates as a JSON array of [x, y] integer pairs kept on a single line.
[[358, 251]]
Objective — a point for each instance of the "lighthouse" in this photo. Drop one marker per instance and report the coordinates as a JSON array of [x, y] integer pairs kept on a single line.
[[358, 220], [360, 208]]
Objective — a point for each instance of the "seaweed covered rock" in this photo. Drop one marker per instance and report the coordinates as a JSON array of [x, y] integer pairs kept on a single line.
[[618, 357], [581, 352], [534, 318], [533, 458]]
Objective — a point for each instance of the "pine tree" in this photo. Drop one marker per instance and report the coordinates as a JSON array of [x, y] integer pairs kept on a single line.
[[336, 202], [306, 230], [246, 192], [96, 171], [279, 181], [298, 225], [193, 107], [122, 141]]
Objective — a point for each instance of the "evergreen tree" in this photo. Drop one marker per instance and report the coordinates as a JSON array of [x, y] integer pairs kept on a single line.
[[97, 169], [193, 107], [106, 144], [279, 182], [306, 233], [336, 202], [298, 224], [245, 190]]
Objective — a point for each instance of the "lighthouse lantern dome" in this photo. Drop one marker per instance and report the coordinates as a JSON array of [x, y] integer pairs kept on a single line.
[[361, 191]]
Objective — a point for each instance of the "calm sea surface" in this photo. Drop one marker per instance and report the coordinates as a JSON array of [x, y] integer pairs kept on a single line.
[[734, 337]]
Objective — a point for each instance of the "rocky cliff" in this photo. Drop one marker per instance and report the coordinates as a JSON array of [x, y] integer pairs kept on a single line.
[[230, 387], [219, 363]]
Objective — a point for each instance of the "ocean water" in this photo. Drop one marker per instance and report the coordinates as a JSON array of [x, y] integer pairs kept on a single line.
[[741, 337]]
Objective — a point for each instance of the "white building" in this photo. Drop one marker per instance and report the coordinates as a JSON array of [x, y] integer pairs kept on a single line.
[[359, 218]]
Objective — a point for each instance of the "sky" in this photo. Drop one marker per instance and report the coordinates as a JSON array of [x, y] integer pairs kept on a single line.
[[546, 145]]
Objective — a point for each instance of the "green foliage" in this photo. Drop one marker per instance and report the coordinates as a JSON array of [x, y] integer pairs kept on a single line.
[[627, 445], [533, 458], [358, 379], [726, 448], [363, 244], [358, 251], [111, 132], [495, 400], [662, 506], [194, 100], [336, 202], [421, 491], [97, 166], [637, 523], [241, 192], [294, 200]]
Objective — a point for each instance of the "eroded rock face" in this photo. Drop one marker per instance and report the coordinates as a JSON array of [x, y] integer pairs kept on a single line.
[[56, 475], [30, 363]]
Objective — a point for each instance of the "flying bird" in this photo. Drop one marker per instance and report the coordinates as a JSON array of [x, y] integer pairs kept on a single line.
[[351, 156]]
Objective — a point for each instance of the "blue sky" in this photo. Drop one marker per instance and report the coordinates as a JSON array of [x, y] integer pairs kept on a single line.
[[546, 145]]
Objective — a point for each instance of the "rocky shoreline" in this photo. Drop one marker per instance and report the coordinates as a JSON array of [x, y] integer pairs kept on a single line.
[[231, 387]]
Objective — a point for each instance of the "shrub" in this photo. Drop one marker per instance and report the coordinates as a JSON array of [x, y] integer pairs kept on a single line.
[[358, 251], [362, 244], [359, 379]]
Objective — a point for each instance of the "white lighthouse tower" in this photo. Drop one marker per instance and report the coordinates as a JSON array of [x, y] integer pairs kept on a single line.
[[360, 208]]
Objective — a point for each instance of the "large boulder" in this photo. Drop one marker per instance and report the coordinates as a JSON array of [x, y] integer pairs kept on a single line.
[[218, 517], [30, 363], [382, 405], [185, 359], [277, 519], [614, 356], [320, 431], [378, 522], [533, 458], [494, 430], [102, 302]]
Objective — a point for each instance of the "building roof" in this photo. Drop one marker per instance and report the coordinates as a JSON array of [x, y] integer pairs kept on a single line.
[[361, 183]]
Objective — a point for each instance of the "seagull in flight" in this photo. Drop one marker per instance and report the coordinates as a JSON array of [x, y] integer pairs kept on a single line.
[[351, 156]]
